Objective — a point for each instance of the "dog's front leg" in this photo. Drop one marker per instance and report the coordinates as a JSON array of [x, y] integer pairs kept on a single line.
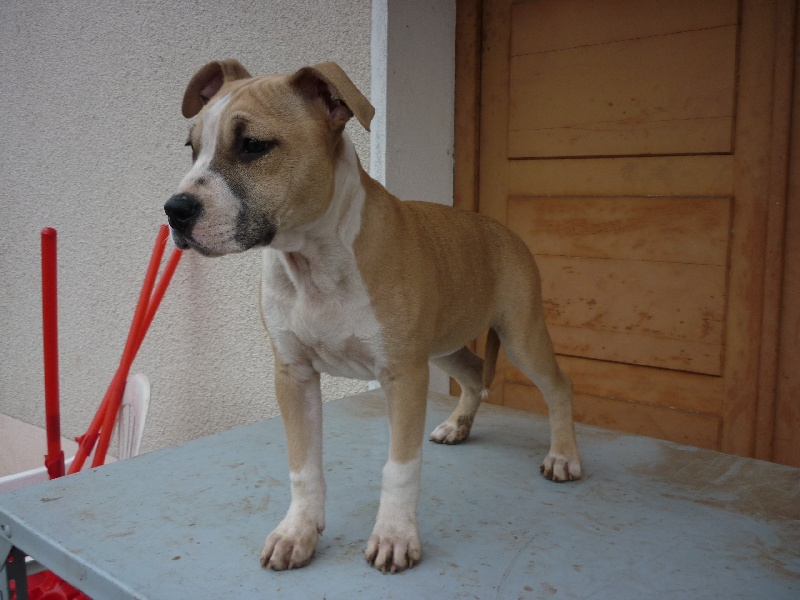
[[292, 543], [394, 544]]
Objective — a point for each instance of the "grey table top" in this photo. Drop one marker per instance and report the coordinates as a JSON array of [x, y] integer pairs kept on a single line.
[[649, 518]]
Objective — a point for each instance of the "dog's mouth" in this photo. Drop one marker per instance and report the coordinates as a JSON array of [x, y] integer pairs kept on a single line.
[[241, 242], [183, 242], [180, 242]]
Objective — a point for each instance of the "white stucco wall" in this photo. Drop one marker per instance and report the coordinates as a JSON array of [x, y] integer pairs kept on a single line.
[[91, 143], [413, 87]]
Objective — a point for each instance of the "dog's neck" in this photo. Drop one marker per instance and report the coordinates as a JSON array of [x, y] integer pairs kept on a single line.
[[320, 257]]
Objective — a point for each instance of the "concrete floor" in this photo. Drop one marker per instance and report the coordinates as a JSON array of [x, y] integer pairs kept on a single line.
[[650, 518]]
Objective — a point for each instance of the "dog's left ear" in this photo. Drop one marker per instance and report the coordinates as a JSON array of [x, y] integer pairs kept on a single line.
[[328, 82], [205, 84]]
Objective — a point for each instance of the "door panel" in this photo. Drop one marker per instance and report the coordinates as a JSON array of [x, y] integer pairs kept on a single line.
[[636, 280], [658, 314], [662, 94]]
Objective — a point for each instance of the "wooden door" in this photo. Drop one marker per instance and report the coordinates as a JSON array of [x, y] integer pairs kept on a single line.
[[635, 146]]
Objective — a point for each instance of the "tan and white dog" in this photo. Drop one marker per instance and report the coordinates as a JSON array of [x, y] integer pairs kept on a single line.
[[356, 283]]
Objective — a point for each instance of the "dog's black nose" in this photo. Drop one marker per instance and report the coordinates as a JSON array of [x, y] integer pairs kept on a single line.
[[182, 210]]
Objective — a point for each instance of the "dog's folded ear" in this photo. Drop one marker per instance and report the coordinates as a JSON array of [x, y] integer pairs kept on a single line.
[[328, 82], [207, 82]]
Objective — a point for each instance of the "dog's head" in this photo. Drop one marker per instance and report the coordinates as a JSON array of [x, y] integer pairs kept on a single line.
[[263, 151]]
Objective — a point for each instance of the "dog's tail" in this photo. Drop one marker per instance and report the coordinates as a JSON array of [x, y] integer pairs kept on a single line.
[[490, 358]]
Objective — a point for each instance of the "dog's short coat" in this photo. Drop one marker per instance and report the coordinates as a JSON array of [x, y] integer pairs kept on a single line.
[[356, 283]]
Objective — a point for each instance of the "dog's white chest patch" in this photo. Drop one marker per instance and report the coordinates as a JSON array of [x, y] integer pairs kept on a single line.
[[336, 332]]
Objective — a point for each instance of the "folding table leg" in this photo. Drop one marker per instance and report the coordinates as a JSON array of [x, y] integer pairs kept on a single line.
[[12, 570], [5, 552]]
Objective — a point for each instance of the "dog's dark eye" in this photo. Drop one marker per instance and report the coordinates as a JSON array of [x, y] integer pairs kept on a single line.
[[194, 152], [252, 149]]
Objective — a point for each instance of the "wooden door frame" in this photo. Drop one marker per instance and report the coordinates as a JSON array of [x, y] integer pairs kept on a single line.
[[466, 171], [785, 411], [776, 341], [761, 411], [762, 126], [467, 118]]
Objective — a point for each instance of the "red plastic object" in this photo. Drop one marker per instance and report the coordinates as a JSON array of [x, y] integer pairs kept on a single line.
[[48, 586], [158, 294], [102, 424], [131, 345], [54, 459]]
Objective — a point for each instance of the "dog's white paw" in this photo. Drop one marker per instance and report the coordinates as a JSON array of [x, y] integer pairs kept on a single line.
[[392, 548], [560, 468], [291, 545], [452, 432]]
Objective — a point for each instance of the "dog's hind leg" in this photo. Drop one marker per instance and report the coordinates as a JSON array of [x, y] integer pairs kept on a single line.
[[529, 347], [474, 376], [465, 368]]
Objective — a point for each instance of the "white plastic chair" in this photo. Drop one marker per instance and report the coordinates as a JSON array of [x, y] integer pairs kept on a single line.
[[132, 415], [130, 428]]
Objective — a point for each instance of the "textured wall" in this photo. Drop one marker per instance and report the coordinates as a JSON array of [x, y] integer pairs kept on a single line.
[[92, 144]]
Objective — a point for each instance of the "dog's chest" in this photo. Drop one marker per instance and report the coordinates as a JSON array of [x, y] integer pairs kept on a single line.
[[328, 323]]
